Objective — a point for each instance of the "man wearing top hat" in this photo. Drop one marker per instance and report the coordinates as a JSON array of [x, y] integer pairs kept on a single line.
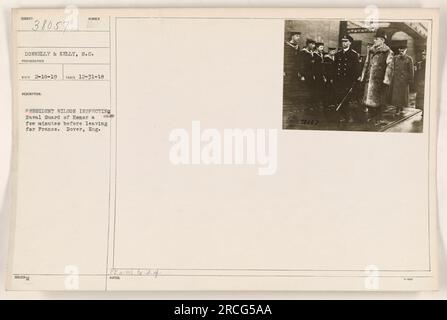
[[403, 78], [306, 69], [346, 74], [377, 75]]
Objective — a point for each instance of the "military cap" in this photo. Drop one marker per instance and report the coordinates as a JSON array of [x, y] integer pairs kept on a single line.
[[347, 37]]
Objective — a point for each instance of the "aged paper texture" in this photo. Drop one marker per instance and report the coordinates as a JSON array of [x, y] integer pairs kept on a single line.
[[224, 149]]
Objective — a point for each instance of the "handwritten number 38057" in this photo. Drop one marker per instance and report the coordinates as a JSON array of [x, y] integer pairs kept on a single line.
[[48, 25]]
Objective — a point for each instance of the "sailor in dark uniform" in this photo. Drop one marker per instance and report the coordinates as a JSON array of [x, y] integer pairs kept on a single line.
[[291, 75], [329, 74], [347, 72], [306, 69], [320, 80], [291, 52]]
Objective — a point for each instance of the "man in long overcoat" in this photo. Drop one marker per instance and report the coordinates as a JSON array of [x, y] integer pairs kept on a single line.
[[377, 74], [402, 79], [420, 81]]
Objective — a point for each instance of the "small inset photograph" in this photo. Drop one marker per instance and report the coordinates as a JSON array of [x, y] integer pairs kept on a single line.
[[348, 76]]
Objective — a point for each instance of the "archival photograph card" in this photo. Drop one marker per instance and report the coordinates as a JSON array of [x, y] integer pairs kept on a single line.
[[224, 149]]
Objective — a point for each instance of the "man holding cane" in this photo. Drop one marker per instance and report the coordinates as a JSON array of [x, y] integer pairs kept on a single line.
[[347, 69]]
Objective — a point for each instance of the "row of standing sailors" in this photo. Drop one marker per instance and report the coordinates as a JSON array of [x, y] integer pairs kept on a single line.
[[329, 76]]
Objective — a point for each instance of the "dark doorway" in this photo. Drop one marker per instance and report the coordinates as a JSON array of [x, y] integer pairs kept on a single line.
[[395, 44], [357, 46]]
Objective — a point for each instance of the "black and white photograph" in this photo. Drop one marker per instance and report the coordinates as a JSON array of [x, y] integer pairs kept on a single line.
[[202, 152], [354, 76]]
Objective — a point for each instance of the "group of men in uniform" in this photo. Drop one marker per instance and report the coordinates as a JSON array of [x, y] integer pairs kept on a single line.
[[335, 78]]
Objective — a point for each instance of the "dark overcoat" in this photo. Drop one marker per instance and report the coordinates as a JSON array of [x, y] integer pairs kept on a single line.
[[403, 76], [420, 83]]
